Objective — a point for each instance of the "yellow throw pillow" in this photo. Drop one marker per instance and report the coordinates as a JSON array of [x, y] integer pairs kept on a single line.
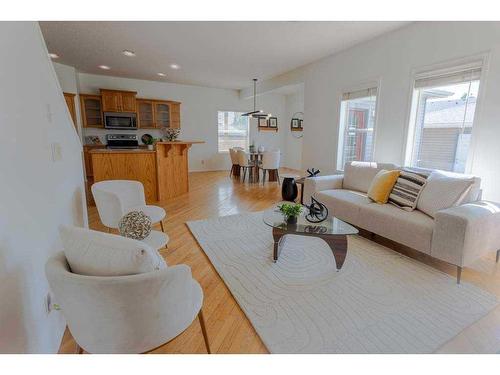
[[382, 185]]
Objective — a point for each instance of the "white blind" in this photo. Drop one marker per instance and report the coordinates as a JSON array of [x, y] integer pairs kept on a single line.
[[360, 94], [450, 77]]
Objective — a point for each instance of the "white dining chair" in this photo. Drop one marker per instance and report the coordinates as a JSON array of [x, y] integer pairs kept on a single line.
[[270, 163], [126, 314], [115, 198], [235, 167], [245, 163]]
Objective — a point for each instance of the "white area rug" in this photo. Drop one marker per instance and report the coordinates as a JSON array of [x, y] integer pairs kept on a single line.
[[380, 302]]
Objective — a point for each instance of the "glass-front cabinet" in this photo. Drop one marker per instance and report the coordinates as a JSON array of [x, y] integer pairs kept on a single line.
[[91, 108]]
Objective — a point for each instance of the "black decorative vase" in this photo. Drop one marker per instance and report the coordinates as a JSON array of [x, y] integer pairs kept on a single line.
[[289, 189], [291, 220]]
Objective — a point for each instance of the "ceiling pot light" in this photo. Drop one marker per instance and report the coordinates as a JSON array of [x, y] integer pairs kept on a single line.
[[174, 66], [105, 67], [161, 74], [53, 55], [128, 53]]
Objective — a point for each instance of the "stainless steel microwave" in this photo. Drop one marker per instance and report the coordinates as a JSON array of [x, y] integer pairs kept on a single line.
[[120, 120]]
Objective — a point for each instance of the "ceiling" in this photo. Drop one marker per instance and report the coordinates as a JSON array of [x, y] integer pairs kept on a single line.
[[213, 54]]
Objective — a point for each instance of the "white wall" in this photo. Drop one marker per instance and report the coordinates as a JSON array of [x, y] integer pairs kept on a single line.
[[36, 193], [293, 140], [198, 114], [391, 59]]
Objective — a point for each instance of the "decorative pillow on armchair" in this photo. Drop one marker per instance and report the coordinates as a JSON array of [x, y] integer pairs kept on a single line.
[[93, 253]]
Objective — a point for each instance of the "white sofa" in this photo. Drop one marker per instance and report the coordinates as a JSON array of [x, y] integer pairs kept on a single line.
[[457, 235]]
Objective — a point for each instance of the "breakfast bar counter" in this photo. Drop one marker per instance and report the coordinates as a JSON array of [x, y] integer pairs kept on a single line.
[[163, 171]]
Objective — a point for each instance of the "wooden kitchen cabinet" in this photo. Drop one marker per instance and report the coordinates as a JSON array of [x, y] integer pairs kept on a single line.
[[145, 114], [175, 115], [89, 171], [70, 102], [162, 114], [91, 111], [118, 101]]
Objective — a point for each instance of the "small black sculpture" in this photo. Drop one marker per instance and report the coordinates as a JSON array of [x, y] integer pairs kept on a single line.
[[313, 172], [317, 212]]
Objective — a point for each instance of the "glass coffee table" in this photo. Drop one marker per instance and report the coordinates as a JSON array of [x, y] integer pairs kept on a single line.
[[332, 230]]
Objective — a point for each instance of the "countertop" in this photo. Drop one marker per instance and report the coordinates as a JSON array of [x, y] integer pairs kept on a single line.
[[122, 151]]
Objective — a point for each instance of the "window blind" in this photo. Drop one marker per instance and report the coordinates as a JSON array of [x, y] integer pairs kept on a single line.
[[436, 79], [360, 94]]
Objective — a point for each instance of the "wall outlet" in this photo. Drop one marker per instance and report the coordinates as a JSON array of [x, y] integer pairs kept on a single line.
[[56, 149]]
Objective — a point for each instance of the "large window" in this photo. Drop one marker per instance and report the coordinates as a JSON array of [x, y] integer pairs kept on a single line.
[[442, 118], [357, 122], [232, 130]]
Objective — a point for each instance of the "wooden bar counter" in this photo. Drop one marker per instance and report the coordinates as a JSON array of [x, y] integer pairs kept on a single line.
[[163, 172]]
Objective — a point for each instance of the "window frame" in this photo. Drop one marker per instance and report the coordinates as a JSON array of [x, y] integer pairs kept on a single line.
[[481, 60], [248, 129], [366, 85]]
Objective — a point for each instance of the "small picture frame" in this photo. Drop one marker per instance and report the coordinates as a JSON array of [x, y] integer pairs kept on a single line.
[[262, 122], [300, 124], [273, 122], [295, 123]]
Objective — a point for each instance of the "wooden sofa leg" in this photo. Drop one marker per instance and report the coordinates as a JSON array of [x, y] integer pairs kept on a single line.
[[204, 330], [498, 255], [459, 274]]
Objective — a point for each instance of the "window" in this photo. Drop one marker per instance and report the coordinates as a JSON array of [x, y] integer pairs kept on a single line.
[[357, 122], [232, 130], [442, 117]]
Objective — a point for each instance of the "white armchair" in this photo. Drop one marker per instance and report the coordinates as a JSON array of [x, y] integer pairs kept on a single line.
[[126, 314], [115, 198]]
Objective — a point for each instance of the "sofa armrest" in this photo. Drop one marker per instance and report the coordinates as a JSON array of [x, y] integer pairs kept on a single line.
[[464, 233], [315, 184]]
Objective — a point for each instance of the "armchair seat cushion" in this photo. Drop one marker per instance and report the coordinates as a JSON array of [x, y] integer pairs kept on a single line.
[[410, 228], [343, 204]]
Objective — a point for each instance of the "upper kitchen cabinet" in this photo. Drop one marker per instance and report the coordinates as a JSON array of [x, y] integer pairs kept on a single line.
[[175, 115], [118, 101], [91, 110], [162, 114], [70, 102], [145, 113]]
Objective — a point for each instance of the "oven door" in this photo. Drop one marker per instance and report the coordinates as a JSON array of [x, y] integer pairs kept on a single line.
[[114, 120]]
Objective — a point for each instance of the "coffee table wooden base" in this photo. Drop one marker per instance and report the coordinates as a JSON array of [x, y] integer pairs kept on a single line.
[[337, 243]]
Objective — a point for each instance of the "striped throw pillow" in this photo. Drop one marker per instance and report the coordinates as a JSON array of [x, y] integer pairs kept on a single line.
[[407, 189]]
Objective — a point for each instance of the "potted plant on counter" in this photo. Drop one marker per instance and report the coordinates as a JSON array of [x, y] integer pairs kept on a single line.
[[149, 141], [290, 212]]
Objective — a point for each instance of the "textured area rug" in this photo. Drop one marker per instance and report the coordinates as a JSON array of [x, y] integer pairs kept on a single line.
[[380, 302]]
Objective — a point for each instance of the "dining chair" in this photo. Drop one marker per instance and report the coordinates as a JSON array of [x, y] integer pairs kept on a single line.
[[126, 314], [235, 167], [245, 163], [270, 163], [115, 198]]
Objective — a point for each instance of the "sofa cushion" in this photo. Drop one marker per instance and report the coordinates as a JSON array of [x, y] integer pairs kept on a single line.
[[93, 253], [410, 228], [343, 204], [382, 185], [407, 189], [444, 190], [358, 175]]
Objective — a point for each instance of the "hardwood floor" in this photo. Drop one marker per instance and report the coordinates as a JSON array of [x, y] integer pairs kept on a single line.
[[214, 194]]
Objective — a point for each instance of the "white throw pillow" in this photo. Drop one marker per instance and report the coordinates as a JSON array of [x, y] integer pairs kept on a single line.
[[358, 175], [93, 253], [443, 190]]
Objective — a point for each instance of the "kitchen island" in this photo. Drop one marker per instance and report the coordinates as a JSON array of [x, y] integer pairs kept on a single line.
[[163, 171]]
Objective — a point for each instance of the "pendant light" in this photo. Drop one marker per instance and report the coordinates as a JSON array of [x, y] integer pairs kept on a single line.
[[256, 113]]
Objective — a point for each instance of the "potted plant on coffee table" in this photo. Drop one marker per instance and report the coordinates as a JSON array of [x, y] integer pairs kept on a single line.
[[290, 212]]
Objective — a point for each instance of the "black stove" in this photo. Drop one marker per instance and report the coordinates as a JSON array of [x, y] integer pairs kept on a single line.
[[122, 141]]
